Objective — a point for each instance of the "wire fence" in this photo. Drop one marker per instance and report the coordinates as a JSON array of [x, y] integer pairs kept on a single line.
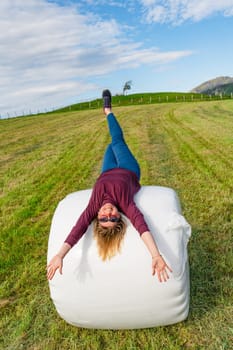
[[123, 100], [138, 99]]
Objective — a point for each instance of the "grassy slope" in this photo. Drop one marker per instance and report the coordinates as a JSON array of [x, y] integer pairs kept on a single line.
[[145, 98], [185, 146]]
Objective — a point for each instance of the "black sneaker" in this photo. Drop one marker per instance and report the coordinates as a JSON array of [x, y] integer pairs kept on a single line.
[[107, 99]]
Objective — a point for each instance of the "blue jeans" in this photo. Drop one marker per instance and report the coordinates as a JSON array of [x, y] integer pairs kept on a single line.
[[117, 154]]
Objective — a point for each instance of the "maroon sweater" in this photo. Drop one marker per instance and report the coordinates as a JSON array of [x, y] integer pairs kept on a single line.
[[118, 187]]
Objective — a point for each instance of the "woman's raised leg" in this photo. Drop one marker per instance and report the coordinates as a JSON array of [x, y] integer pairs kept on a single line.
[[124, 157]]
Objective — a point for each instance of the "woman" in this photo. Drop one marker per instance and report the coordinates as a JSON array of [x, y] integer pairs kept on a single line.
[[112, 194]]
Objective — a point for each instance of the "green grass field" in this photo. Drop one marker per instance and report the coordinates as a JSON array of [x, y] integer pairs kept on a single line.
[[186, 146]]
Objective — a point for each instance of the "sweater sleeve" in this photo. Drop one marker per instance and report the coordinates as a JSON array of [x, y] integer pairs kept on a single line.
[[84, 221], [137, 218]]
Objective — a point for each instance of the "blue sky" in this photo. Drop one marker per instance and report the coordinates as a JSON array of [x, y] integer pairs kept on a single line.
[[56, 52]]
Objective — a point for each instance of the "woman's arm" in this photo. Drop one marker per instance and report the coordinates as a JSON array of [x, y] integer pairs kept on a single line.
[[57, 261], [85, 219], [75, 234], [159, 265]]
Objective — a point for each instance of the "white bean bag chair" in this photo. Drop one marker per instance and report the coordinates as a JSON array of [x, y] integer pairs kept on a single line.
[[122, 293]]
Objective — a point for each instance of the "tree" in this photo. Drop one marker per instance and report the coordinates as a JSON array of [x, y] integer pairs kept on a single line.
[[127, 86]]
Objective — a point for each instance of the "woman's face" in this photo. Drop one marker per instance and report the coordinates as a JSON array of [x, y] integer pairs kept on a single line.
[[106, 213]]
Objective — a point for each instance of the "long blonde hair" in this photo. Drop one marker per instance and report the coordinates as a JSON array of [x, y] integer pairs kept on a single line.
[[109, 239]]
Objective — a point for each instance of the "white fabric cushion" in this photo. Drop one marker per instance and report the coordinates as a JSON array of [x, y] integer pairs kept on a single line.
[[122, 293]]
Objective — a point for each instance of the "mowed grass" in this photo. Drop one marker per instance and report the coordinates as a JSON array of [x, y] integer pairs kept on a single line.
[[186, 146]]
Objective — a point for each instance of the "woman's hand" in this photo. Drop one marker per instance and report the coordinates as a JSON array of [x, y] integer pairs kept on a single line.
[[55, 263], [160, 267]]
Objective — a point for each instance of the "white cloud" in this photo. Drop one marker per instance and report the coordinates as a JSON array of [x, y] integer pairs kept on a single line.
[[49, 53], [178, 11]]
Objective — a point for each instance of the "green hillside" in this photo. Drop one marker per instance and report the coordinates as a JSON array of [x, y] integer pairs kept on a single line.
[[186, 146], [143, 98]]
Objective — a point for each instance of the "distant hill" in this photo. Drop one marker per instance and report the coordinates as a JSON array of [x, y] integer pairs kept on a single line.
[[217, 86]]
